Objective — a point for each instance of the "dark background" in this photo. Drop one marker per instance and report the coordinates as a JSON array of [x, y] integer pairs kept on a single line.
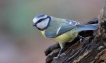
[[21, 43]]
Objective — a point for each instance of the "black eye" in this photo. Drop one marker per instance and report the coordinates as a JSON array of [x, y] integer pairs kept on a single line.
[[41, 20]]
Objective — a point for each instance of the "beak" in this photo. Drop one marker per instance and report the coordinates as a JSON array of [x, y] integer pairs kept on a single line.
[[33, 24]]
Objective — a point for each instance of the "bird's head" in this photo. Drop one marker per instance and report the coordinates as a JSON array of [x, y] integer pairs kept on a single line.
[[41, 21]]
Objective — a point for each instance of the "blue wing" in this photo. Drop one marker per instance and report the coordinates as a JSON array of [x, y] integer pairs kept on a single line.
[[59, 27]]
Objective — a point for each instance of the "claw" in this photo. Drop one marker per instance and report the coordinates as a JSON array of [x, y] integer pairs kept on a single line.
[[55, 58], [59, 55], [81, 38], [62, 54]]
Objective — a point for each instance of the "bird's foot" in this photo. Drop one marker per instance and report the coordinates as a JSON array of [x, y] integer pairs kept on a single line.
[[62, 54], [81, 38], [59, 55], [55, 58]]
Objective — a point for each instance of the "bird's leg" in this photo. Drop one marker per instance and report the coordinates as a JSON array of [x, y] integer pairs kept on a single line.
[[61, 50], [81, 38]]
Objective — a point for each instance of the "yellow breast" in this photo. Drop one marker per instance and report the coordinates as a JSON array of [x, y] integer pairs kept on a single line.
[[66, 37]]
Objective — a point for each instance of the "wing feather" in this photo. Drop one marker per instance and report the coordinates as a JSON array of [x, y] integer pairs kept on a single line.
[[57, 28]]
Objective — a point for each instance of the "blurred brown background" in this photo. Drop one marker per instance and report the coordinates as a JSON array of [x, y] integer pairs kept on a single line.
[[21, 43]]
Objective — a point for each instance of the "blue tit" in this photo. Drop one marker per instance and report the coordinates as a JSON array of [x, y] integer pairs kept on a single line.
[[60, 30]]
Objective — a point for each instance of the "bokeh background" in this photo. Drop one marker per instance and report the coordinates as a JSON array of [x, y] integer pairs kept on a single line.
[[21, 43]]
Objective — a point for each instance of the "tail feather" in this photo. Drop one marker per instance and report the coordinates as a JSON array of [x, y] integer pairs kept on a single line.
[[87, 27]]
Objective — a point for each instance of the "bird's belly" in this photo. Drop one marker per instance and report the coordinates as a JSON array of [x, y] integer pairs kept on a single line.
[[66, 37]]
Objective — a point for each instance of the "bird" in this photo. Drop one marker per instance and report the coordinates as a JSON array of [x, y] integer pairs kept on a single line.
[[59, 29]]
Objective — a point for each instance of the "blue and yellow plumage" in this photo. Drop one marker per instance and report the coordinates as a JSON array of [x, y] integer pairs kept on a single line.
[[63, 38], [60, 30]]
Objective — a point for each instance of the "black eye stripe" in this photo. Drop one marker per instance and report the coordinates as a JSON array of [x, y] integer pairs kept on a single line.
[[41, 20]]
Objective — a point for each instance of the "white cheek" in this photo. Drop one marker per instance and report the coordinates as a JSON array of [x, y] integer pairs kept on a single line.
[[35, 20], [43, 24]]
